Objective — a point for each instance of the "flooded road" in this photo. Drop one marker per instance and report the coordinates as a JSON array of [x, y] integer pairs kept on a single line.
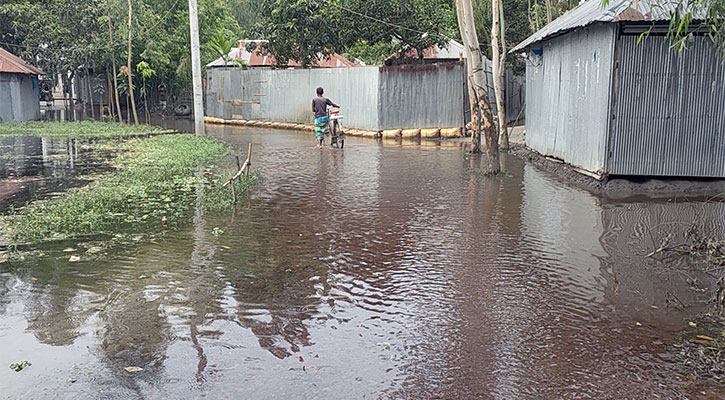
[[380, 271]]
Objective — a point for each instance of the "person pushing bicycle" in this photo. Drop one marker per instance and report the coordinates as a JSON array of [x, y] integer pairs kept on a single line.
[[319, 107]]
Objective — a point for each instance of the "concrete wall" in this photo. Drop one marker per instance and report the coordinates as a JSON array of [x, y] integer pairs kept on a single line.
[[19, 95], [373, 98], [567, 94]]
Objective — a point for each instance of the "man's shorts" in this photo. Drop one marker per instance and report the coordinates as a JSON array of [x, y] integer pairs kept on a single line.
[[320, 126]]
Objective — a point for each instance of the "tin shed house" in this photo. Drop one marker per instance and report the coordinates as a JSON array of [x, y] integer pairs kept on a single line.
[[601, 101], [19, 91]]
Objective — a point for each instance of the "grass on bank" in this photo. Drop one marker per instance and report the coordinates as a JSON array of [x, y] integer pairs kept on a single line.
[[161, 176], [78, 129]]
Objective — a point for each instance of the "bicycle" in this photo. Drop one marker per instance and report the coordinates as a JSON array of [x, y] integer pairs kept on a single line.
[[334, 128]]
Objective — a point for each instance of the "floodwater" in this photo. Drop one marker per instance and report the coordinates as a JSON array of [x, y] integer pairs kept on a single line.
[[379, 271], [33, 167]]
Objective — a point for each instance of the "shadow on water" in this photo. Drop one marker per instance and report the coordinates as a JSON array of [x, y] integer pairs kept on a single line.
[[384, 270]]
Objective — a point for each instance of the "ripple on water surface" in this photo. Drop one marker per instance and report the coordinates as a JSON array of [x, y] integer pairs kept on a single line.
[[378, 271]]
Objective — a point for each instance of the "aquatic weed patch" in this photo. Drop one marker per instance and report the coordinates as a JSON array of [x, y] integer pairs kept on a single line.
[[78, 129], [161, 177]]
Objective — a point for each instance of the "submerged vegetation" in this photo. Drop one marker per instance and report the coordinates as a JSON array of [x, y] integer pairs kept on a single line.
[[157, 183], [701, 347], [78, 129]]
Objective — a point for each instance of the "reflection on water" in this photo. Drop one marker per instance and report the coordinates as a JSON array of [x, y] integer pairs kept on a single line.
[[379, 271], [32, 167]]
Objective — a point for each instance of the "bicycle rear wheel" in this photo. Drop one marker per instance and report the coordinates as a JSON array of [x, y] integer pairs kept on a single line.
[[335, 134]]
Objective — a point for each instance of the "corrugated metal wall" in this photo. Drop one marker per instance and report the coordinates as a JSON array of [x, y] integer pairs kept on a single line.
[[372, 98], [421, 96], [567, 92], [669, 110], [98, 87], [286, 95], [514, 92], [19, 98]]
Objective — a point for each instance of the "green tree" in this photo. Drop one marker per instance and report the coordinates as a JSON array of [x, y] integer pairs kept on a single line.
[[398, 24], [304, 30], [68, 37], [299, 30], [146, 72]]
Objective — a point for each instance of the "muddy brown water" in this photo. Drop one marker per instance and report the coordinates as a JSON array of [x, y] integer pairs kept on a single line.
[[380, 271]]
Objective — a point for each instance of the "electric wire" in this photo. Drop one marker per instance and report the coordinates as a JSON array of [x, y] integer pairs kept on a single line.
[[380, 21]]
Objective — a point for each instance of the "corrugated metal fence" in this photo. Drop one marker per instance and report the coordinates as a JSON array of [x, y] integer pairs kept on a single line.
[[374, 98], [673, 128], [514, 92]]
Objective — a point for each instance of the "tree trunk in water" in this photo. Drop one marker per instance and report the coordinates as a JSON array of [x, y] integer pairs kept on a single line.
[[485, 126], [128, 65], [498, 55], [113, 63], [469, 73], [548, 11]]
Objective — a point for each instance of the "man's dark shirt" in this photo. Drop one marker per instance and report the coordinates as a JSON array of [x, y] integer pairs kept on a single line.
[[319, 106]]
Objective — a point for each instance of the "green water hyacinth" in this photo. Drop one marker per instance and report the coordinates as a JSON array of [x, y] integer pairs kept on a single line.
[[160, 177]]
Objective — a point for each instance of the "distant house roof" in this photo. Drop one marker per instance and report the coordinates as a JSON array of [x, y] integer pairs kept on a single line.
[[450, 51], [593, 11], [260, 58], [12, 64]]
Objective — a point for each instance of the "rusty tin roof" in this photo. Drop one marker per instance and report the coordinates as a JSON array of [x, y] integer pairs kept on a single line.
[[14, 65]]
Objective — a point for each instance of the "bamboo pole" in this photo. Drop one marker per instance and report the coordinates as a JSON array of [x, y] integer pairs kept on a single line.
[[238, 174], [245, 167], [234, 191]]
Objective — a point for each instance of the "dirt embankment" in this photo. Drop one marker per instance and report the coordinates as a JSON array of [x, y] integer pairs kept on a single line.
[[619, 187]]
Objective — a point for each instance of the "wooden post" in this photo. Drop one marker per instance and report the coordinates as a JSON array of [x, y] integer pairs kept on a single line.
[[249, 159]]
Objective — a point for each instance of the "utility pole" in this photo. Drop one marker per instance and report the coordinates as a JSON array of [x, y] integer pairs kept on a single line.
[[196, 69]]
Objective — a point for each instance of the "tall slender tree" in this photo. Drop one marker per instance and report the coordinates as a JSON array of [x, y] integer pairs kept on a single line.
[[483, 120], [498, 57], [128, 66], [112, 54]]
